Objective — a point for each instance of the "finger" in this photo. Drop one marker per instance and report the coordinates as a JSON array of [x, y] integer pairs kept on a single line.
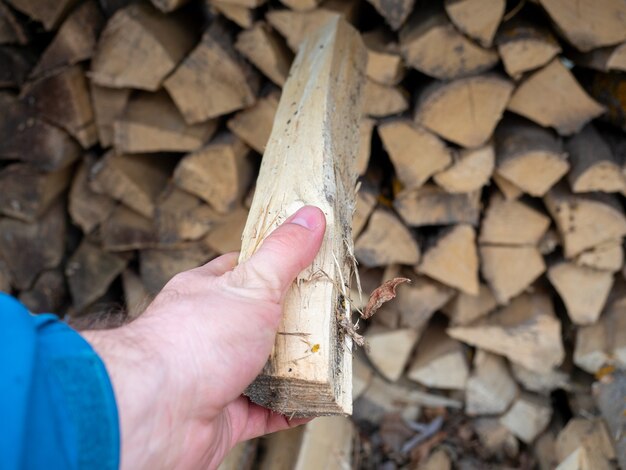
[[220, 265]]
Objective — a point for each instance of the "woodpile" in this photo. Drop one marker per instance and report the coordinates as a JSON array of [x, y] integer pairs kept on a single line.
[[492, 174]]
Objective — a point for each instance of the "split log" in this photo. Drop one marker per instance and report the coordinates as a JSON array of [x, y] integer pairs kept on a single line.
[[416, 153], [588, 24], [180, 216], [139, 47], [490, 387], [464, 309], [15, 65], [27, 192], [509, 270], [87, 208], [395, 12], [362, 375], [582, 459], [301, 5], [602, 344], [213, 80], [126, 230], [253, 125], [552, 97], [48, 294], [608, 256], [382, 100], [239, 14], [366, 129], [90, 271], [266, 51], [432, 205], [528, 417], [526, 331], [585, 221], [604, 59], [12, 31], [496, 438], [366, 200], [384, 64], [440, 362], [218, 173], [30, 248], [152, 123], [280, 450], [431, 44], [507, 188], [512, 223], [453, 259], [326, 116], [108, 105], [134, 180], [246, 3], [609, 396], [476, 18], [390, 350], [386, 240], [48, 12], [590, 435], [326, 443], [543, 383], [136, 297], [464, 111], [471, 170], [225, 235], [168, 5], [530, 157], [437, 460], [594, 167]]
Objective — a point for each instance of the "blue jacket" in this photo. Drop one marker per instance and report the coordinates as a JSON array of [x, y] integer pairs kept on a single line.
[[57, 408]]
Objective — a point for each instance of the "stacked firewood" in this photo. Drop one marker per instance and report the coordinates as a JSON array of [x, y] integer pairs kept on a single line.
[[493, 176]]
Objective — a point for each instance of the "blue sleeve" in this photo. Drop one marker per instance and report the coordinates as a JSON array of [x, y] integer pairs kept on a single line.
[[57, 407]]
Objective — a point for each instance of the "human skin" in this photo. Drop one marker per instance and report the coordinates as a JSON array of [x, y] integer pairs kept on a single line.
[[179, 370]]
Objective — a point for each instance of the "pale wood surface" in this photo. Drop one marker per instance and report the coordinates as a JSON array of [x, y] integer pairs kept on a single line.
[[471, 170], [528, 417], [253, 125], [464, 308], [384, 100], [490, 387], [389, 349], [477, 18]]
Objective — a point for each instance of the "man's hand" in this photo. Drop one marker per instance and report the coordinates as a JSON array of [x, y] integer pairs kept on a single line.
[[180, 369]]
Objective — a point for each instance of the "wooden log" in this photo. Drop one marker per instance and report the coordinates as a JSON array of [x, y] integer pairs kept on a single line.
[[241, 15], [432, 205], [87, 208], [604, 59], [390, 349], [327, 442], [416, 153], [608, 396], [464, 309], [464, 111], [594, 167], [168, 5], [526, 331], [506, 187], [543, 383], [528, 417], [253, 125], [90, 271], [471, 170], [63, 99], [512, 223], [453, 259], [476, 18], [585, 221], [48, 294], [327, 118], [213, 80], [608, 256], [382, 100], [246, 3], [108, 105], [27, 192], [524, 47], [509, 270], [152, 123], [490, 387], [47, 12], [362, 375], [12, 30], [225, 235], [590, 435], [366, 199], [431, 44], [386, 240], [15, 65], [384, 63], [366, 129], [582, 459], [266, 50], [139, 47], [552, 97], [301, 5], [136, 297], [437, 460], [588, 24], [75, 41], [126, 230], [30, 248], [496, 439], [280, 450], [395, 12]]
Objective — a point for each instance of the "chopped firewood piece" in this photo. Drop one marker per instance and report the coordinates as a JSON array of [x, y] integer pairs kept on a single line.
[[30, 248], [181, 216], [126, 230], [609, 397], [431, 44], [416, 153], [476, 18], [395, 12], [490, 387], [509, 270], [253, 125], [466, 110], [225, 235], [382, 294], [544, 451], [301, 5], [524, 47], [279, 449], [594, 167], [15, 65], [528, 417], [389, 350], [540, 382], [383, 100], [585, 220], [362, 375], [471, 170], [453, 259], [437, 460], [366, 200], [213, 80], [135, 180], [75, 41], [266, 50], [152, 123], [464, 308], [588, 24], [432, 205], [28, 192], [583, 459], [584, 290], [384, 64], [507, 188], [440, 362], [386, 240], [63, 99], [552, 97], [603, 343], [139, 47], [604, 59], [326, 443], [241, 15], [87, 208], [48, 12], [608, 256], [12, 31], [218, 173], [90, 271], [496, 438], [590, 435], [136, 296], [526, 331], [108, 105], [245, 3], [168, 5], [366, 130], [48, 294], [512, 223]]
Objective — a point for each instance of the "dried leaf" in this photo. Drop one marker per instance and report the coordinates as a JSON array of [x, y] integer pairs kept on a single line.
[[382, 294]]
